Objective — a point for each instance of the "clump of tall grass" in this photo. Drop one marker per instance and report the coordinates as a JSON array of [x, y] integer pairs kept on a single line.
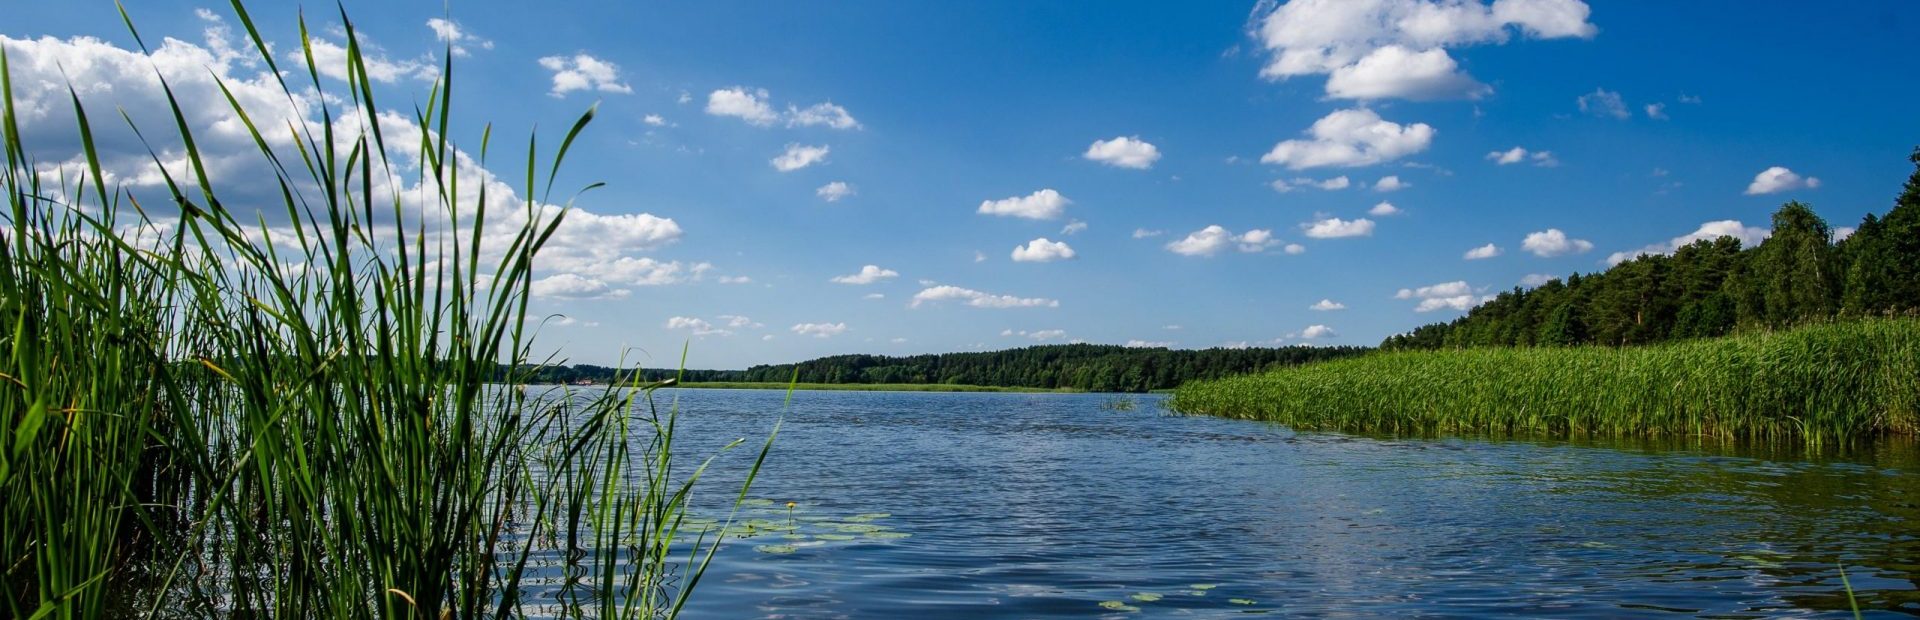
[[206, 416], [1841, 380]]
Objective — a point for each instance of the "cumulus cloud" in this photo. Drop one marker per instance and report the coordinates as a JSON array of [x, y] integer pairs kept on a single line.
[[1749, 236], [1397, 48], [868, 275], [1603, 102], [1517, 155], [1779, 179], [1294, 248], [1316, 332], [1149, 344], [799, 156], [820, 330], [1456, 295], [1383, 209], [457, 38], [739, 102], [582, 71], [1327, 305], [1657, 111], [826, 114], [1335, 228], [1212, 239], [978, 299], [1485, 251], [1124, 152], [1075, 226], [1535, 280], [1040, 335], [1336, 183], [1349, 138], [735, 280], [699, 327], [1390, 183], [655, 120], [1045, 204], [1552, 242], [573, 286], [1042, 251], [833, 192], [1142, 233]]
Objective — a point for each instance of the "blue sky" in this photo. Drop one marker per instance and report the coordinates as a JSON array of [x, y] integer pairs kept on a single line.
[[1657, 120]]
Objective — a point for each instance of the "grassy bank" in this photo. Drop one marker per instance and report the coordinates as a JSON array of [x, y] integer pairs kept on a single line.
[[1840, 380], [862, 387]]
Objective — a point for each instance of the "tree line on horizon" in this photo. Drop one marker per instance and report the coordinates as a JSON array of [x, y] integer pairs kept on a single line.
[[1087, 367], [1711, 287]]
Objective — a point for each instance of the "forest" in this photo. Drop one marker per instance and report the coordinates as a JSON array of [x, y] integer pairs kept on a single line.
[[1088, 367], [1711, 287]]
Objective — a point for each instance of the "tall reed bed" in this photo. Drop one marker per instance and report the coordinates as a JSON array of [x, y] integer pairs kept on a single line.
[[210, 411], [1816, 383]]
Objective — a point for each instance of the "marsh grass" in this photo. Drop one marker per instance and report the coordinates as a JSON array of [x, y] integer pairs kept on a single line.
[[1816, 384], [206, 416]]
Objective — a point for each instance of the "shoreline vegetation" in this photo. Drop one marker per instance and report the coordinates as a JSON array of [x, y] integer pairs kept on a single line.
[[286, 409], [865, 387]]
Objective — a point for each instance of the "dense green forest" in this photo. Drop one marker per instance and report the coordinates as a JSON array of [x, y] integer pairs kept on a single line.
[[1712, 287], [1096, 368]]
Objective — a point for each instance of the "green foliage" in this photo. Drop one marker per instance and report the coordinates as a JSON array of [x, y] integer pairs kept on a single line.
[[1843, 380]]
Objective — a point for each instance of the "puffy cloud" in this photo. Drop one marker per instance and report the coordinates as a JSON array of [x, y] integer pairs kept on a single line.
[[799, 156], [1316, 332], [1335, 228], [1045, 204], [1149, 344], [1657, 111], [833, 192], [1073, 227], [1395, 48], [1456, 295], [1355, 137], [1779, 179], [1552, 242], [1042, 251], [655, 120], [826, 114], [736, 280], [868, 275], [1383, 209], [738, 102], [1212, 239], [1294, 248], [456, 38], [583, 72], [1040, 335], [1327, 305], [1749, 236], [572, 286], [699, 327], [1142, 233], [1485, 251], [1124, 152], [1390, 183], [978, 299], [1534, 280], [1517, 155], [1335, 183], [330, 59], [1603, 102], [820, 330]]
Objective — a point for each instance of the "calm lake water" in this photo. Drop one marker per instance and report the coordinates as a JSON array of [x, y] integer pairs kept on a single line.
[[927, 506]]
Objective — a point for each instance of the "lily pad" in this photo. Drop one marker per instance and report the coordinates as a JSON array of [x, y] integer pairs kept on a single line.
[[1204, 586], [859, 528], [887, 535], [1196, 592], [757, 501], [1241, 601], [1117, 606], [794, 536], [775, 549], [873, 515], [1146, 597]]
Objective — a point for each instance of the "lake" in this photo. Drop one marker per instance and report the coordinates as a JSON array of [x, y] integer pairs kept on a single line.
[[929, 505]]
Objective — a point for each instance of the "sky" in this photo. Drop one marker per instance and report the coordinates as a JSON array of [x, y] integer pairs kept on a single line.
[[791, 180]]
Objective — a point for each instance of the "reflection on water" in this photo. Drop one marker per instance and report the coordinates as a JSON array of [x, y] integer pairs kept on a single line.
[[1053, 505]]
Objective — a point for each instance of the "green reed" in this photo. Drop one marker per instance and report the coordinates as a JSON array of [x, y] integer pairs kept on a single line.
[[1816, 383], [205, 416]]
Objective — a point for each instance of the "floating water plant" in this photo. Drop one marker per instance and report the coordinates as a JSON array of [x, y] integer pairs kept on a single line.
[[1117, 606]]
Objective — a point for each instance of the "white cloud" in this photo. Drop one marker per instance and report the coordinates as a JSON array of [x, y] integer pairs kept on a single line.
[[833, 192], [1779, 179], [821, 114], [1294, 248], [874, 296], [1485, 251], [1045, 204], [979, 299], [1040, 335], [1335, 228], [1327, 305], [1390, 183], [1173, 328], [699, 327], [1456, 295], [456, 38], [1123, 152], [1603, 102], [799, 156], [1395, 48], [1042, 251], [1657, 111], [1142, 233], [738, 102], [1552, 242], [1517, 155], [1316, 332], [1383, 209], [572, 286], [1534, 280], [1149, 344], [736, 280], [1335, 183], [1749, 236], [868, 275], [583, 72], [820, 330], [1355, 137], [898, 340], [1073, 227], [979, 256], [1212, 239], [655, 120], [1842, 232]]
